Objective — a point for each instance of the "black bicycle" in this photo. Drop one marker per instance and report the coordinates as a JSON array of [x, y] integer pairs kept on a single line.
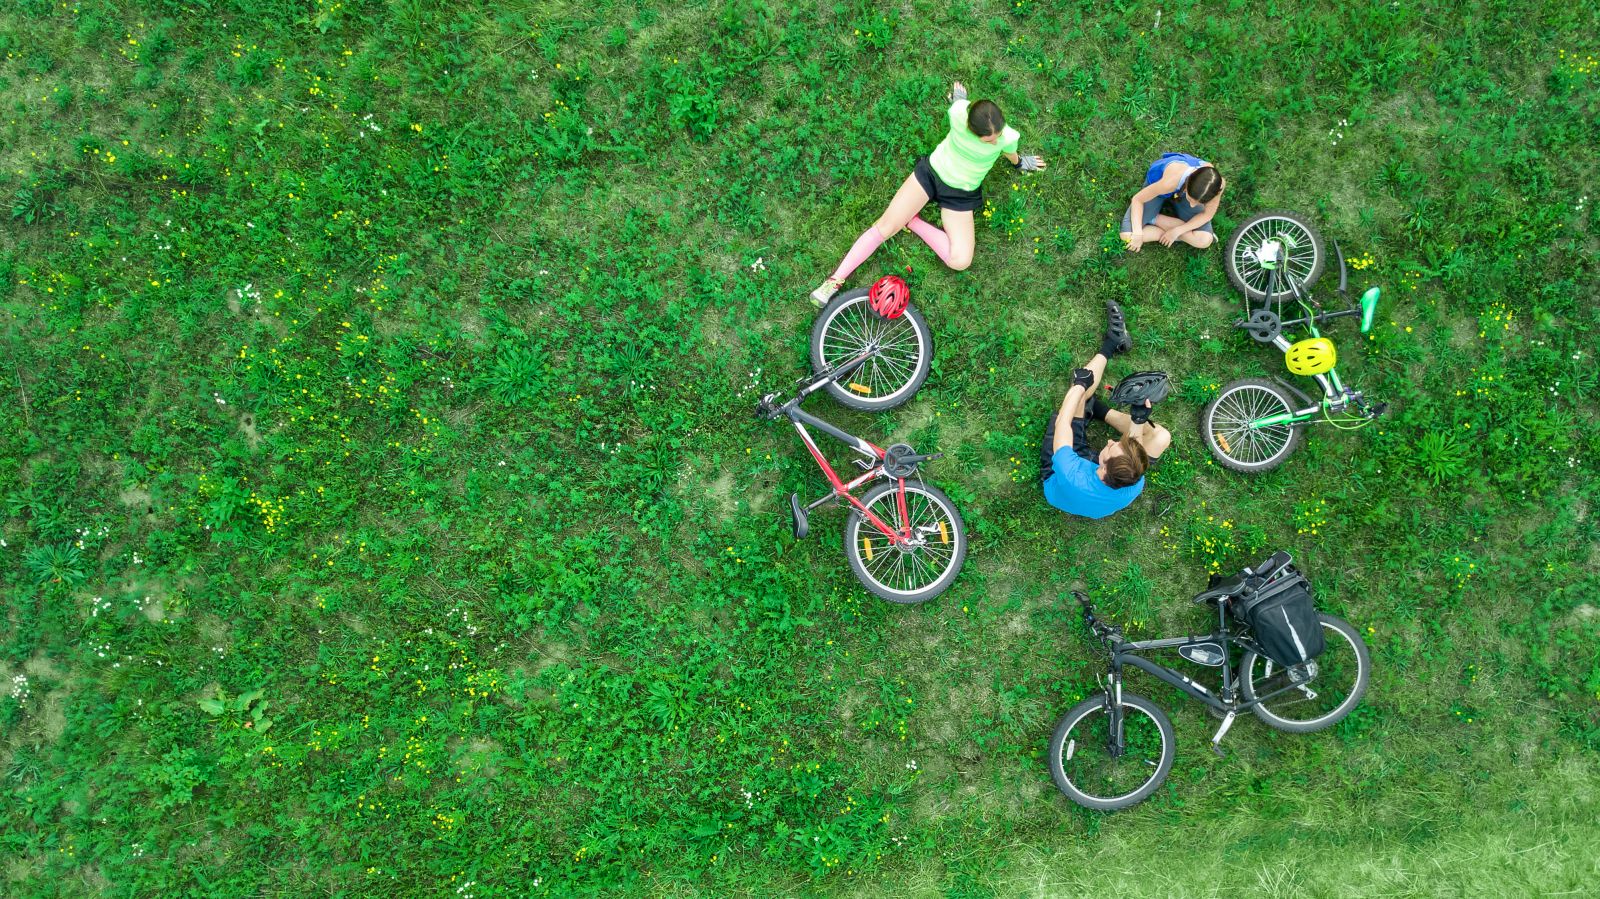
[[1301, 671]]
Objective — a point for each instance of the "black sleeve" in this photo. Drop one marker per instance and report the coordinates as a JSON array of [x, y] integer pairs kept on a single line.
[[1080, 441]]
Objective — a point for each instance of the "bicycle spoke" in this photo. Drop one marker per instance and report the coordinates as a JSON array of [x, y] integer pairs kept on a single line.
[[1338, 671], [1233, 416], [1092, 768], [1297, 260], [911, 569], [900, 349]]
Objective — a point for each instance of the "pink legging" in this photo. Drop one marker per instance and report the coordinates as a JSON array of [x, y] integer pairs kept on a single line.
[[870, 240]]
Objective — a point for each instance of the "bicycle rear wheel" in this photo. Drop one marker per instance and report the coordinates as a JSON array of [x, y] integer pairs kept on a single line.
[[1299, 254], [1325, 690], [846, 327], [1226, 424], [1086, 769], [907, 574]]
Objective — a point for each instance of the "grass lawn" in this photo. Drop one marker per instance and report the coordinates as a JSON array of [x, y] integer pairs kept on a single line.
[[383, 513]]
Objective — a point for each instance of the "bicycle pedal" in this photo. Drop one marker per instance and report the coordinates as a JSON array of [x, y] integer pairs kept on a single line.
[[862, 389], [802, 523]]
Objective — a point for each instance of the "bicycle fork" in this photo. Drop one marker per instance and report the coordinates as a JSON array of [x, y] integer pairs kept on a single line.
[[1116, 742]]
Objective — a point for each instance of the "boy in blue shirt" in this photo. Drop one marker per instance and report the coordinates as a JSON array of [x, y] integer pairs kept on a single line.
[[1079, 480]]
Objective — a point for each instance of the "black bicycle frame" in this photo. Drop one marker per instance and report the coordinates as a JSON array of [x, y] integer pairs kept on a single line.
[[1126, 653]]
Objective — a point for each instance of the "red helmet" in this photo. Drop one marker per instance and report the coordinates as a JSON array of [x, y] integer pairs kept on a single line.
[[889, 296]]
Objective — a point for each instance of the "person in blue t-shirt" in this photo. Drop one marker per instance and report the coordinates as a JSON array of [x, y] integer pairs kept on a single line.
[[1078, 479]]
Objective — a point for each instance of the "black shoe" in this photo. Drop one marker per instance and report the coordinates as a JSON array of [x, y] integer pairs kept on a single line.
[[1117, 339]]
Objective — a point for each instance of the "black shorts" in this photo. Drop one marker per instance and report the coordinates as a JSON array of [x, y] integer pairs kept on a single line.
[[951, 198], [1095, 410]]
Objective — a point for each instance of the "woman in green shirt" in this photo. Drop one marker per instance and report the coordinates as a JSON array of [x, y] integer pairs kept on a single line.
[[951, 176]]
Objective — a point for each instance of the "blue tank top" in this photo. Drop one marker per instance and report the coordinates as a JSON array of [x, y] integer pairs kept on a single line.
[[1158, 167]]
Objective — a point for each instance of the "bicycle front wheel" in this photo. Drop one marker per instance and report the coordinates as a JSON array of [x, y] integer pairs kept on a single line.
[[1088, 767], [1321, 692], [1228, 424], [847, 327], [906, 573]]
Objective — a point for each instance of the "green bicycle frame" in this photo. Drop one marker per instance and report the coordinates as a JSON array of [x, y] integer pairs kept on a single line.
[[1333, 389]]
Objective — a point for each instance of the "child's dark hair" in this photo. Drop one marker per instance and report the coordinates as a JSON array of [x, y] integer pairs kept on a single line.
[[1204, 184], [984, 118]]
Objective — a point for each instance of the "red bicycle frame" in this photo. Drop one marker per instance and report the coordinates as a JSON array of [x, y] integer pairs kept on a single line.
[[841, 488]]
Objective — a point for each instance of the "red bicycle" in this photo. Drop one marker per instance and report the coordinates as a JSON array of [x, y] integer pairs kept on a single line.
[[903, 537]]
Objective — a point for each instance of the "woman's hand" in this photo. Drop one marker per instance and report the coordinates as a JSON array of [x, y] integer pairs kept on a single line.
[[1030, 163], [1135, 240], [958, 91], [1170, 236]]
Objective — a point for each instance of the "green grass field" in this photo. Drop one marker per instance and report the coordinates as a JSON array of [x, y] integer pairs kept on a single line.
[[383, 514]]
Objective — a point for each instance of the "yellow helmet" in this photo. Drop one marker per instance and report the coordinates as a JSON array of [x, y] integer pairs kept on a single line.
[[1312, 356]]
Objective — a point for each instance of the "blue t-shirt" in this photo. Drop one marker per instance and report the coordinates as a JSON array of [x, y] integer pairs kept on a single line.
[[1074, 487]]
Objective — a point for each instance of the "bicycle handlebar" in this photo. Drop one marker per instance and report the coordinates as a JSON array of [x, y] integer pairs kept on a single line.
[[1101, 630]]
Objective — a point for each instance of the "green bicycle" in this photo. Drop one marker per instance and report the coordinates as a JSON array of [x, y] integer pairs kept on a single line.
[[1255, 424]]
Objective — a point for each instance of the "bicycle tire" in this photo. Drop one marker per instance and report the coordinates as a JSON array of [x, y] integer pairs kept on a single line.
[[1224, 450], [888, 383], [1250, 280], [1363, 659], [1059, 748], [854, 549]]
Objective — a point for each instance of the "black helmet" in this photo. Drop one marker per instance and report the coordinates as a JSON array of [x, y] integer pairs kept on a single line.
[[1140, 386]]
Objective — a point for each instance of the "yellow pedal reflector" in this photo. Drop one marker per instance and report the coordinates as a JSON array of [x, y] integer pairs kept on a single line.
[[944, 533], [860, 388], [866, 548], [1222, 442]]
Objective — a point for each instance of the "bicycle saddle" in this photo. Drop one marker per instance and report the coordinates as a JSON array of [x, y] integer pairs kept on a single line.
[[1223, 589], [1271, 564]]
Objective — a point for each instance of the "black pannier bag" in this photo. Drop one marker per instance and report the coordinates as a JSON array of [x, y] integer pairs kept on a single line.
[[1283, 618]]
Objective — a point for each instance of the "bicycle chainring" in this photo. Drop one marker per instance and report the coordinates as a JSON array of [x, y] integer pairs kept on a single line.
[[894, 461], [1263, 325]]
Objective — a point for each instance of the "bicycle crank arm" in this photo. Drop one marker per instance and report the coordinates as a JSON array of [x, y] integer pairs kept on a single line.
[[1216, 741]]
